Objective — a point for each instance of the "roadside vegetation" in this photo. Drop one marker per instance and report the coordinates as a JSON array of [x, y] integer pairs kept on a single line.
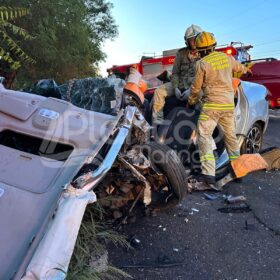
[[63, 37], [93, 237], [12, 55]]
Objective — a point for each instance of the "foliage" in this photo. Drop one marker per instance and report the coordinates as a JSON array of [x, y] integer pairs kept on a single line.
[[92, 237], [68, 37], [10, 34]]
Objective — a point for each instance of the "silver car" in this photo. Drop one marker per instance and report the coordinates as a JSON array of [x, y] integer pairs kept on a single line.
[[252, 115]]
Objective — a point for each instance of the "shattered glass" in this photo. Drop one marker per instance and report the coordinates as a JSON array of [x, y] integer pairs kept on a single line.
[[95, 94], [47, 88], [103, 95]]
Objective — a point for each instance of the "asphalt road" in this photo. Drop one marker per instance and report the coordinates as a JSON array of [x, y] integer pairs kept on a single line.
[[196, 241]]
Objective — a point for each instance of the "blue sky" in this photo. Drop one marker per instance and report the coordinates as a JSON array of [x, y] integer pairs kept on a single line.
[[151, 26]]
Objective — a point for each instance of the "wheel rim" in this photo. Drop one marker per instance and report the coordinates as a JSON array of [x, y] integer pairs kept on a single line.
[[254, 141]]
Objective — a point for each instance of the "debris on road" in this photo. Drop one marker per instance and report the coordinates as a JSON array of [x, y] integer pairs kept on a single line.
[[210, 196], [165, 265], [235, 199], [195, 210], [162, 261], [242, 208], [249, 226]]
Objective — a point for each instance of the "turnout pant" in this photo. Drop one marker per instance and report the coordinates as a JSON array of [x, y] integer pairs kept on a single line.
[[207, 122], [159, 101]]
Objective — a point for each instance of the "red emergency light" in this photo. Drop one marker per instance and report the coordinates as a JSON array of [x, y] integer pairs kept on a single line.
[[274, 103], [228, 50]]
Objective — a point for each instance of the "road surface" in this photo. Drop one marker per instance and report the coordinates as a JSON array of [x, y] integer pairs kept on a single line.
[[196, 241]]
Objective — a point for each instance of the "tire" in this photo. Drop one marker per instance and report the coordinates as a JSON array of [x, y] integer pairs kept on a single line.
[[166, 161], [253, 142]]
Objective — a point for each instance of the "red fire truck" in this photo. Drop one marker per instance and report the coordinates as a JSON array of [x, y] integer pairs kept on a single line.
[[265, 71]]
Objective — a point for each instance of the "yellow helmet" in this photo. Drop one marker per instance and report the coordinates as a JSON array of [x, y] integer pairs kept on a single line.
[[205, 40]]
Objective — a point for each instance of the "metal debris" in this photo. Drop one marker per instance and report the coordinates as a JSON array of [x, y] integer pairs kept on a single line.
[[249, 226], [136, 157], [235, 199], [141, 123], [210, 196], [140, 177]]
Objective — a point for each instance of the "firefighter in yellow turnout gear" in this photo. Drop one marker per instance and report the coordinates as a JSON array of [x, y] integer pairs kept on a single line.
[[214, 74]]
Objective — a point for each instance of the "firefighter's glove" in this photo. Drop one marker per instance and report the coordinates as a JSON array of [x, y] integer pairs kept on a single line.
[[186, 94], [177, 92], [183, 96]]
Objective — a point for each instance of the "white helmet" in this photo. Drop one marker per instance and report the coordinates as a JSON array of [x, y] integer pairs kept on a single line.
[[191, 32]]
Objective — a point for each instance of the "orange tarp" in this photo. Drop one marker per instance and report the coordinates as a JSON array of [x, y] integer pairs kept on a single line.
[[247, 163]]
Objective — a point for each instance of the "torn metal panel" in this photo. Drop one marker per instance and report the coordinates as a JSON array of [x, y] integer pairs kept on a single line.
[[147, 190], [91, 179], [141, 122], [137, 158]]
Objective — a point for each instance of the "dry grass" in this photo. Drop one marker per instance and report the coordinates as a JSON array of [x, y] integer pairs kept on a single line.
[[93, 237]]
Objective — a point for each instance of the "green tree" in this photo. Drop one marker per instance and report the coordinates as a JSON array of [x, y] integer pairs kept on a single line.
[[11, 54], [68, 37]]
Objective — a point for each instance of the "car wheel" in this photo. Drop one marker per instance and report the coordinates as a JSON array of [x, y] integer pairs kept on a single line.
[[166, 161], [253, 142]]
